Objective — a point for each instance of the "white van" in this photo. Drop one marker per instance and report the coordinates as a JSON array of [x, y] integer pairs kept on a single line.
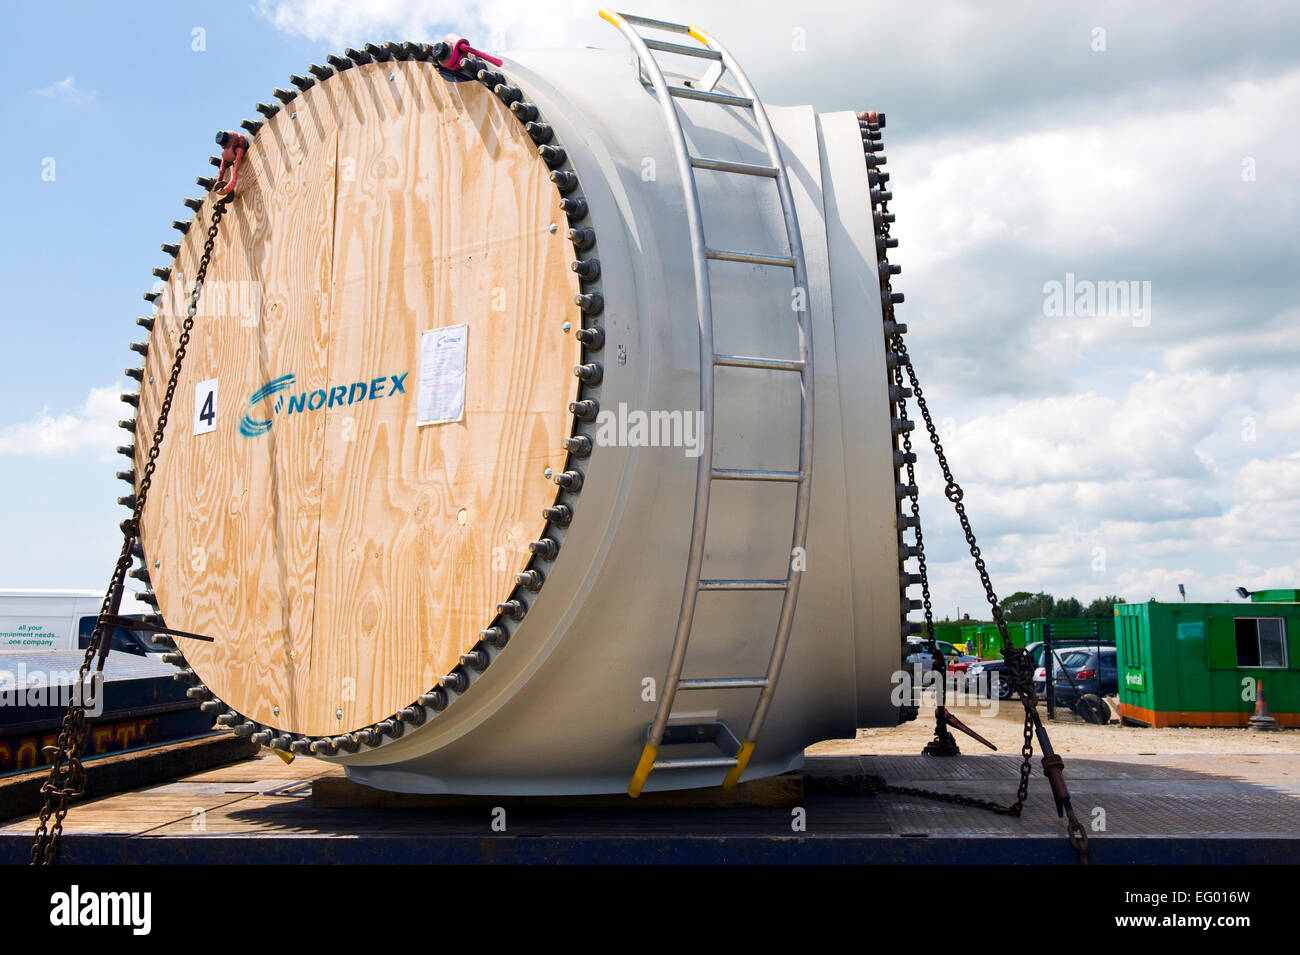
[[61, 620]]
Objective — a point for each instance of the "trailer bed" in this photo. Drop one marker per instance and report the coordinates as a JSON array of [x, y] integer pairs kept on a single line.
[[1176, 809]]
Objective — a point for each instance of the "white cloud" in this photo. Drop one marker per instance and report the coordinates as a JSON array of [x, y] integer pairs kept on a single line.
[[92, 428], [67, 90], [1275, 342], [1117, 182], [489, 24], [1152, 432], [1130, 493]]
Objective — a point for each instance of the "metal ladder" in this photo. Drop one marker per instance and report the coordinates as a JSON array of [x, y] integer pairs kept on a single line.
[[734, 754]]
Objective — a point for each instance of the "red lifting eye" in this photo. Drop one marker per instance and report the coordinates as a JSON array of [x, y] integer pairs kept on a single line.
[[460, 48]]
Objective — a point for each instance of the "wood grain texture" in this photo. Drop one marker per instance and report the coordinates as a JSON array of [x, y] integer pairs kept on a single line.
[[233, 520], [345, 558]]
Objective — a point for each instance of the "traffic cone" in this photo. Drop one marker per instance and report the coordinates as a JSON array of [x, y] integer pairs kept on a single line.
[[1262, 720]]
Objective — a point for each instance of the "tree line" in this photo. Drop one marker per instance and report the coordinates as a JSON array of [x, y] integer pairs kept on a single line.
[[1023, 605]]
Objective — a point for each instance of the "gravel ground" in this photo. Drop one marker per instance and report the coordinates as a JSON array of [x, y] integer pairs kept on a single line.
[[1068, 735]]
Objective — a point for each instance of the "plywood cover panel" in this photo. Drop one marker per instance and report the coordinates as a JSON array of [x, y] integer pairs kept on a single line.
[[345, 558]]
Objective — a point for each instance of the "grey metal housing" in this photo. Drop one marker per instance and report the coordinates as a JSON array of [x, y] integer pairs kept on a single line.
[[565, 706]]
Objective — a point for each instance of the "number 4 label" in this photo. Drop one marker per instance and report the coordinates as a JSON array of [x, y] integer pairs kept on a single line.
[[205, 406]]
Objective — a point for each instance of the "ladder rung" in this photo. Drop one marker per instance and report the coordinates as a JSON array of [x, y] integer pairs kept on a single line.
[[703, 52], [700, 762], [745, 361], [743, 584], [740, 168], [726, 99], [724, 683], [753, 474], [740, 92], [757, 258], [664, 25]]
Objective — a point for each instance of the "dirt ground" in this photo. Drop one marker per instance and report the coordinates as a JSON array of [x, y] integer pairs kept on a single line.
[[1068, 734]]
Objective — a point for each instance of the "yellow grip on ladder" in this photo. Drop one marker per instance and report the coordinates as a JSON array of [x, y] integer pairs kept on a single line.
[[742, 760], [643, 768]]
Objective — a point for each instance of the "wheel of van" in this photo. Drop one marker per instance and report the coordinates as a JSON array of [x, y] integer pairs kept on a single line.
[[1093, 709]]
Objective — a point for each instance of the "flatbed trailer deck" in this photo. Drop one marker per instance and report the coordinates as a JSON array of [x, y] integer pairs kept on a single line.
[[142, 705], [1175, 809]]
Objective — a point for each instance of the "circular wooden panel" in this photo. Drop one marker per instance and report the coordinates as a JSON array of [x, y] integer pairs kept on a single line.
[[341, 554]]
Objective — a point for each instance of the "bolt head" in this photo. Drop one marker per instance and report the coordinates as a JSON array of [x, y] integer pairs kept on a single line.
[[553, 229], [275, 710], [548, 472], [566, 326]]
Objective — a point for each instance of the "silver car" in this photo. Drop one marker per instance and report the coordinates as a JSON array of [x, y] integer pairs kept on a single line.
[[918, 651]]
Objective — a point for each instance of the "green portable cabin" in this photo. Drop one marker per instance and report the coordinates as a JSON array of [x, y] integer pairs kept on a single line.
[[1197, 664], [957, 632], [975, 636], [989, 640], [1275, 596], [980, 638], [948, 632]]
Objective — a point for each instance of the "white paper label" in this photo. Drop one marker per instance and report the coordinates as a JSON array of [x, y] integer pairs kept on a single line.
[[205, 406], [442, 374]]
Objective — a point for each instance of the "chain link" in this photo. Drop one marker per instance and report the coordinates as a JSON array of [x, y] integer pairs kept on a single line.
[[1016, 658], [67, 778], [1018, 667], [1021, 680], [944, 743]]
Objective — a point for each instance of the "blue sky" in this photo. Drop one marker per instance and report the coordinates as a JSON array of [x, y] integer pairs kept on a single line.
[[127, 136], [1019, 151]]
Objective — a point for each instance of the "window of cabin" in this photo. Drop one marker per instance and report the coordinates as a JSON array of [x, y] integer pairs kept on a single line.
[[1261, 642]]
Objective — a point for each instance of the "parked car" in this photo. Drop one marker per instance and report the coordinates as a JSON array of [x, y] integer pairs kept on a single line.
[[996, 669], [918, 651], [999, 683], [1038, 649], [1085, 672], [995, 672]]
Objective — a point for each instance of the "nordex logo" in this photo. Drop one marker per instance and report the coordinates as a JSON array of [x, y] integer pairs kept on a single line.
[[337, 395]]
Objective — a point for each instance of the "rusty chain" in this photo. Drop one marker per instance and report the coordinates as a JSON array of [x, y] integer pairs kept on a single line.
[[1018, 666], [1022, 680], [944, 743], [67, 779]]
